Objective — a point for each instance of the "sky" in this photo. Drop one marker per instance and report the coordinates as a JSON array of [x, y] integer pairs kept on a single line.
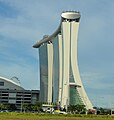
[[24, 22]]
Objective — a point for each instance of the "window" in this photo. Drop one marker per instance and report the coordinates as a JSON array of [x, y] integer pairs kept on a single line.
[[1, 83]]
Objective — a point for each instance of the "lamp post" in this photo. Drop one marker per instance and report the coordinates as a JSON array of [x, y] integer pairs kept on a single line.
[[21, 104]]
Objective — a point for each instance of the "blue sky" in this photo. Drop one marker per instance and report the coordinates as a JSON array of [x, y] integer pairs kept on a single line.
[[23, 22]]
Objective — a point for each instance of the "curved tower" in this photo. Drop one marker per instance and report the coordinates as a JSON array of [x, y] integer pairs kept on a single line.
[[59, 74]]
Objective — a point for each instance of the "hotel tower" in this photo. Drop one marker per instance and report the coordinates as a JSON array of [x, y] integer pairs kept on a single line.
[[60, 80]]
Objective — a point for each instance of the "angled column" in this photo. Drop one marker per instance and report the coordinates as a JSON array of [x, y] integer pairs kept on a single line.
[[50, 71], [66, 58], [60, 67], [59, 73], [74, 65]]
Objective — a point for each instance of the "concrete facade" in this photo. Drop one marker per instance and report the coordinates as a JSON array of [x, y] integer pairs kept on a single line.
[[12, 93]]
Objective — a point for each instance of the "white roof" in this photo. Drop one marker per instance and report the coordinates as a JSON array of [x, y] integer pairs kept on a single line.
[[11, 81]]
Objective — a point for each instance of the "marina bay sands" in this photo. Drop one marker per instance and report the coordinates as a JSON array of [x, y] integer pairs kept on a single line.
[[60, 80]]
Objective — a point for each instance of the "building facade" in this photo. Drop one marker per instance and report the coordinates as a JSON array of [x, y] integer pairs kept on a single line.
[[11, 92], [59, 74]]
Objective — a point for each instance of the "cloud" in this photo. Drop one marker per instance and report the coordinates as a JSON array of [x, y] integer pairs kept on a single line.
[[90, 78], [99, 87], [23, 22], [26, 73]]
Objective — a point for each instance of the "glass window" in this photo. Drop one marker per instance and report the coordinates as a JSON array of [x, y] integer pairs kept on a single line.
[[1, 83], [43, 72], [74, 96], [55, 70]]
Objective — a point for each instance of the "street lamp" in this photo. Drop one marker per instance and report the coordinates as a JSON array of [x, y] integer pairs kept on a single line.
[[21, 104]]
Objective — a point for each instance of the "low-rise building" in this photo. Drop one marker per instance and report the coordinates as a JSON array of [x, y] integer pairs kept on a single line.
[[11, 92]]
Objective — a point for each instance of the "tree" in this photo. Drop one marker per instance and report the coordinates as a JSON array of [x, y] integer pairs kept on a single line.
[[12, 107], [77, 109], [38, 106], [26, 106], [1, 106]]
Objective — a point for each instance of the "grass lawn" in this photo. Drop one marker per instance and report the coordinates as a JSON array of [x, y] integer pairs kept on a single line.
[[35, 116]]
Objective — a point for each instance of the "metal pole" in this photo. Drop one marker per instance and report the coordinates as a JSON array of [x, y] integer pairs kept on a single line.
[[21, 104]]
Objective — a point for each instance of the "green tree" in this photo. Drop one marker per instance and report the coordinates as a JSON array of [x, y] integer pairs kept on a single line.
[[77, 109], [1, 106], [38, 106], [26, 106], [12, 107]]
